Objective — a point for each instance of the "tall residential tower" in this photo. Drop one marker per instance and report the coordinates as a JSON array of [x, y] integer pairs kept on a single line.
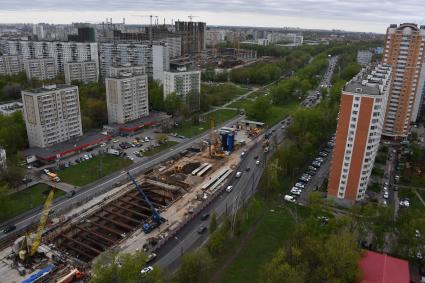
[[360, 122], [404, 51]]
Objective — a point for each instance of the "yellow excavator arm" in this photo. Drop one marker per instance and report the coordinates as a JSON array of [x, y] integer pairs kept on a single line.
[[43, 219]]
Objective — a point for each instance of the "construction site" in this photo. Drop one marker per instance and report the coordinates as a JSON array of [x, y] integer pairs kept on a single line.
[[141, 214]]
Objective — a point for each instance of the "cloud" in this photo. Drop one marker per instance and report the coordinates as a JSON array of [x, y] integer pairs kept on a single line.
[[386, 11]]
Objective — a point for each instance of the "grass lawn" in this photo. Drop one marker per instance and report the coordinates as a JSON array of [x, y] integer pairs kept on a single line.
[[271, 232], [277, 113], [188, 129], [241, 103], [256, 93], [160, 148], [27, 199], [90, 170]]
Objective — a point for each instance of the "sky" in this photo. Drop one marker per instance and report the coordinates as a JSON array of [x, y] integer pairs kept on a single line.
[[350, 15]]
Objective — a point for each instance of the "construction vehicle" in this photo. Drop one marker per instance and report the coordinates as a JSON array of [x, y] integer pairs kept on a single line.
[[214, 143], [27, 246], [156, 218], [53, 177], [72, 276]]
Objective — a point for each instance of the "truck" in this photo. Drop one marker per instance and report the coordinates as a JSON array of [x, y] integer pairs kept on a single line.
[[53, 177], [113, 151]]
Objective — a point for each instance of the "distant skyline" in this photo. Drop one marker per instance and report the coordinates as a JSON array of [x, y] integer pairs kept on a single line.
[[349, 15]]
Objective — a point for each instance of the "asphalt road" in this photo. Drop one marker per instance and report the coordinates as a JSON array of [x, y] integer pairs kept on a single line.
[[226, 204], [84, 194], [187, 239]]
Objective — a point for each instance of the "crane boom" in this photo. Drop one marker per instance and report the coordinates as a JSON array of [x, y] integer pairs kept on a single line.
[[155, 215], [42, 224]]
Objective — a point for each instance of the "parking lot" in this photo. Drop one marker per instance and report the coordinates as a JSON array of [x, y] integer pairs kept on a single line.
[[131, 147]]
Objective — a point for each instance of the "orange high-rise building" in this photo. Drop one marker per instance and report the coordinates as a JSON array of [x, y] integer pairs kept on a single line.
[[360, 123], [404, 51]]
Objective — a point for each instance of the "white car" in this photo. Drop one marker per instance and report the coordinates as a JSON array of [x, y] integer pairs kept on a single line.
[[386, 195], [102, 144], [296, 191], [238, 174], [257, 162], [300, 185], [86, 157], [229, 189], [404, 203], [146, 270], [289, 198]]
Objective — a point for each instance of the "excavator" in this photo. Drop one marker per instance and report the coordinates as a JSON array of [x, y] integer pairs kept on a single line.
[[27, 245]]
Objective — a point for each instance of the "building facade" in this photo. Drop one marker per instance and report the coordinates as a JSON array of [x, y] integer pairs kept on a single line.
[[360, 124], [52, 115], [11, 65], [364, 57], [183, 83], [61, 52], [40, 69], [404, 51], [85, 72], [154, 57], [192, 36], [127, 94]]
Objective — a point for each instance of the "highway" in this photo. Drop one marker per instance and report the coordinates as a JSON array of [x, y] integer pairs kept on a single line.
[[168, 257], [227, 203], [84, 194]]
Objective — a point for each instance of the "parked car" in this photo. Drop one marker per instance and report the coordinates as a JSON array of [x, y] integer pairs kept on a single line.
[[238, 174], [229, 189], [386, 195], [296, 191], [146, 270], [257, 162], [300, 185], [289, 198]]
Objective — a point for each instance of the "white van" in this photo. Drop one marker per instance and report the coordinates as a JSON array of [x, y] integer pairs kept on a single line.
[[289, 198]]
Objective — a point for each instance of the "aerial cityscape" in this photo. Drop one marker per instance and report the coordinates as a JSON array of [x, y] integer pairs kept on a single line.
[[215, 141]]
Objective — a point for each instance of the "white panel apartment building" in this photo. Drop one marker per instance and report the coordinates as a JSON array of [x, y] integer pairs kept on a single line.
[[364, 57], [52, 114], [182, 83], [11, 65], [127, 94], [40, 69], [61, 52], [85, 72], [360, 125], [117, 54]]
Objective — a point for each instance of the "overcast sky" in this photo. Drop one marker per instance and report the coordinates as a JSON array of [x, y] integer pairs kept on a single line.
[[354, 15]]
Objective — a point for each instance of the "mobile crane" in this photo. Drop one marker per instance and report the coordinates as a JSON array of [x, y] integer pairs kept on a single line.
[[27, 249], [157, 219]]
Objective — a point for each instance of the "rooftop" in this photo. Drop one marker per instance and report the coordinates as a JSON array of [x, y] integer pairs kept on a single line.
[[378, 267], [65, 148], [371, 80], [48, 88]]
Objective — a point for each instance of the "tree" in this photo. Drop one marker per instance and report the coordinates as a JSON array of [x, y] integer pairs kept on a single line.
[[258, 110], [125, 267], [194, 267], [162, 138], [156, 95], [173, 104], [278, 269]]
